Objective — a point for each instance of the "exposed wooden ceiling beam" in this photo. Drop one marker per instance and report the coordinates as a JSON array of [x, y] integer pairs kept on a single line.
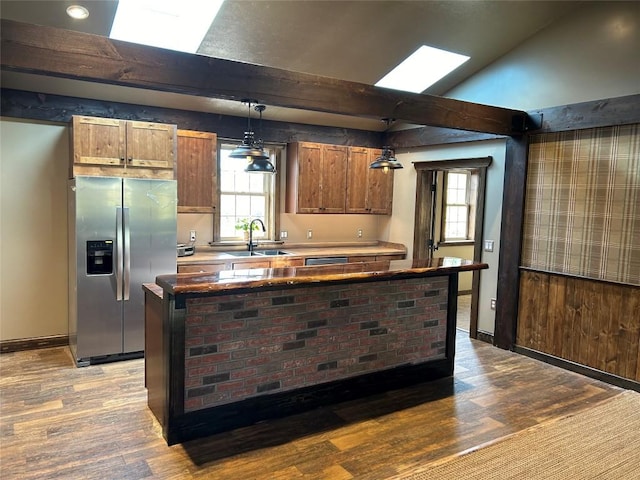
[[69, 54]]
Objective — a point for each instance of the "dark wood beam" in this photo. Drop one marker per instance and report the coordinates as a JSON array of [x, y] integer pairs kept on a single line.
[[597, 113], [515, 175], [58, 108], [69, 54]]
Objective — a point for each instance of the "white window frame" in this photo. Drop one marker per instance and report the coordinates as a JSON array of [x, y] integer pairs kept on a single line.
[[465, 206], [224, 219]]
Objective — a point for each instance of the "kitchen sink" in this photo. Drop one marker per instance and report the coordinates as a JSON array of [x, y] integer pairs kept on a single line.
[[241, 253], [257, 253], [270, 252]]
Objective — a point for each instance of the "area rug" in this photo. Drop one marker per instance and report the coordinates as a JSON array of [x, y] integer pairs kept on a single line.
[[602, 442]]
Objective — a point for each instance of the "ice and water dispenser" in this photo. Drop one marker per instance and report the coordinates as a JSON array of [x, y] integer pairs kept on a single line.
[[99, 257]]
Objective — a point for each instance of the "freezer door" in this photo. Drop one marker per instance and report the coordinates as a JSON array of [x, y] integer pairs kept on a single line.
[[99, 314], [150, 230]]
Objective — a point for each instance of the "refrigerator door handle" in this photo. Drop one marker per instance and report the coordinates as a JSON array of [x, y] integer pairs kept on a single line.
[[127, 252], [119, 251]]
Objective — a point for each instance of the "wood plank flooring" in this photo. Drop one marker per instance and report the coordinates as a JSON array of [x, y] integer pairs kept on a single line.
[[59, 421]]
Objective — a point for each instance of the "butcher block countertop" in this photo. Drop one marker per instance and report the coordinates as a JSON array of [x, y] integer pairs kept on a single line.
[[364, 249], [229, 280]]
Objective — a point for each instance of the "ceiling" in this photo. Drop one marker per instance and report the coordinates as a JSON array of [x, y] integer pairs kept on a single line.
[[358, 41]]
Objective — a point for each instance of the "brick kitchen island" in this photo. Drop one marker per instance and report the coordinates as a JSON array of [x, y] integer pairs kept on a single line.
[[228, 349]]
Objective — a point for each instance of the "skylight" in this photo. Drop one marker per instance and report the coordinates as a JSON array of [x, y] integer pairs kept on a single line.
[[421, 69], [167, 24]]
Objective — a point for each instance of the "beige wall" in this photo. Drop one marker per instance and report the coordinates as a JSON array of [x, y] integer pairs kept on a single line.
[[400, 228], [33, 229], [589, 55]]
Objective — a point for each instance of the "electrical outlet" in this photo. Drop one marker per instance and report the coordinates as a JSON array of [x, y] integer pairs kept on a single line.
[[309, 233], [493, 304], [284, 234], [359, 233], [192, 236]]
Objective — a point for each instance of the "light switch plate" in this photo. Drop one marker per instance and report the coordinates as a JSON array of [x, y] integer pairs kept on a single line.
[[488, 245]]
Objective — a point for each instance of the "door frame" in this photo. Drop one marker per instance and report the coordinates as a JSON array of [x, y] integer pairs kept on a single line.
[[426, 171]]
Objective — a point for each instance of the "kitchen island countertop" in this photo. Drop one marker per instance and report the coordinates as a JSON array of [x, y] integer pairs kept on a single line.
[[267, 277]]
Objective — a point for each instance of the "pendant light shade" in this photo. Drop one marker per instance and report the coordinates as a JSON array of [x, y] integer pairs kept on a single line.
[[252, 150], [260, 166], [386, 161], [249, 149]]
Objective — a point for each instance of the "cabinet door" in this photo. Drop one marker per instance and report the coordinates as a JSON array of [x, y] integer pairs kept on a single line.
[[151, 146], [380, 187], [196, 172], [202, 268], [357, 180], [97, 142], [309, 181], [334, 179]]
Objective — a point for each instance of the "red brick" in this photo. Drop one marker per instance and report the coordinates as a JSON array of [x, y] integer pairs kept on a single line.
[[218, 337], [256, 361], [194, 320], [215, 358], [229, 386], [200, 371]]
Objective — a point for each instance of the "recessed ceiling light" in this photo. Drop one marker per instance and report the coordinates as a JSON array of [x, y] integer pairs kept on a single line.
[[167, 24], [421, 69], [77, 11]]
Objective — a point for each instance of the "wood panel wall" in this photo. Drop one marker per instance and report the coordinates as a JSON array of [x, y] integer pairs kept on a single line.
[[589, 322]]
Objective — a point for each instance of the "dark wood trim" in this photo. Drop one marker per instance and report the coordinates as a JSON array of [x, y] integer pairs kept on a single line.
[[506, 319], [579, 277], [427, 136], [68, 54], [579, 368], [213, 420], [467, 163], [485, 337], [577, 116], [58, 108], [8, 346], [424, 205], [477, 248], [452, 315], [592, 114], [174, 313]]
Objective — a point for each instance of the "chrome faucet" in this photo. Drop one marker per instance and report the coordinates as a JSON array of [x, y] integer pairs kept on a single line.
[[251, 245]]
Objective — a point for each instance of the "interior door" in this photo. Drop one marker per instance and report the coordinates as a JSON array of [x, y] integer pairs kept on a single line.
[[425, 225]]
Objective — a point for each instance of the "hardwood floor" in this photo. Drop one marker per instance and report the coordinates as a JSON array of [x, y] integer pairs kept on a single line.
[[59, 421]]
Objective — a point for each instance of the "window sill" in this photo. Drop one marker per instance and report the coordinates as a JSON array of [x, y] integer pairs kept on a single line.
[[456, 243]]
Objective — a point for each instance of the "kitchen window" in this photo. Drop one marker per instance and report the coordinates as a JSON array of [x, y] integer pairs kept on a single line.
[[458, 208], [245, 196]]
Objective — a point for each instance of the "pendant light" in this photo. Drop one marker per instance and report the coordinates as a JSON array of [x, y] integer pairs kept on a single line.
[[260, 164], [386, 161], [248, 149]]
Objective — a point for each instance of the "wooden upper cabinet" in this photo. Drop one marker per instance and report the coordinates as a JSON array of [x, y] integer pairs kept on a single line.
[[316, 178], [333, 179], [121, 148], [197, 171], [368, 190]]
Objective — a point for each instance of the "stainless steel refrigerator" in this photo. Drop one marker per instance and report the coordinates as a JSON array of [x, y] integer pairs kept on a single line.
[[122, 233]]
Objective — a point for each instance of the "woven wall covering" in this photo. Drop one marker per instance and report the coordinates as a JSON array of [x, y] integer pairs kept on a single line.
[[582, 210]]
